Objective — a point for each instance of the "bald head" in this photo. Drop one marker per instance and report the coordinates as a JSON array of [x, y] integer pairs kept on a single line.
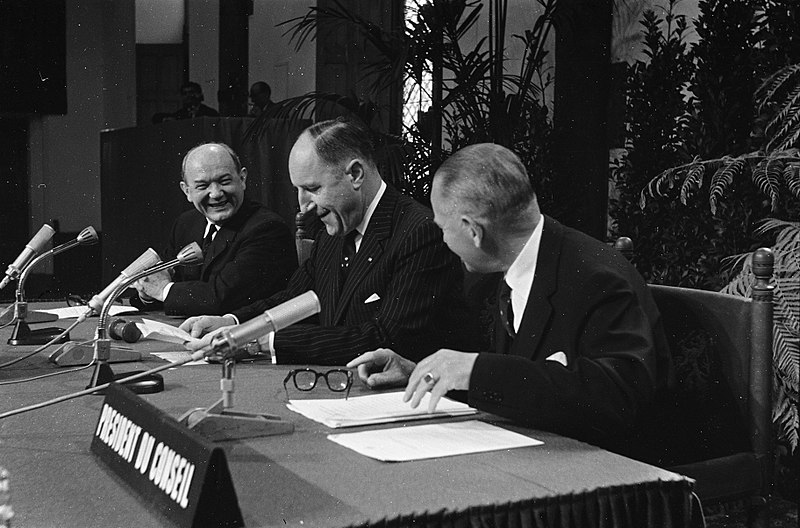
[[213, 180]]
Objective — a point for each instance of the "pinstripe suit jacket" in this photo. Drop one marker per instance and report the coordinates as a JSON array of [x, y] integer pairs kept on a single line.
[[403, 290]]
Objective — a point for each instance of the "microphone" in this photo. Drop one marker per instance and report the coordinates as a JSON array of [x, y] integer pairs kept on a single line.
[[120, 329], [281, 316], [32, 249], [146, 260], [22, 334], [188, 255]]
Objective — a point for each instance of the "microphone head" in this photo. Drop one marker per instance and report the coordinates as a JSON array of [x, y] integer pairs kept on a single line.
[[41, 238], [148, 259], [131, 333], [294, 310], [190, 254], [115, 328], [87, 237]]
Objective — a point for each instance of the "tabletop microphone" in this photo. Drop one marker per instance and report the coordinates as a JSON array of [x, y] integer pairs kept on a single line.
[[32, 249], [146, 260], [281, 316], [123, 330]]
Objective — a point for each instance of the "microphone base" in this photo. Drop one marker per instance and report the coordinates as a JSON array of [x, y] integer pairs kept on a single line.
[[220, 424], [32, 317], [150, 384], [76, 354], [23, 335]]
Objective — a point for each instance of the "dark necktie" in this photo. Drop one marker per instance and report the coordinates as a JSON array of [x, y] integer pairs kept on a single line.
[[208, 239], [348, 253], [506, 311]]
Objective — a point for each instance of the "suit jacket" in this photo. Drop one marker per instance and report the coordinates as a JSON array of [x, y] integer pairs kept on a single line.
[[403, 290], [590, 304], [252, 256]]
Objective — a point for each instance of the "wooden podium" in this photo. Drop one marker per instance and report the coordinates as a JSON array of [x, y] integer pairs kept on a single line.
[[141, 170]]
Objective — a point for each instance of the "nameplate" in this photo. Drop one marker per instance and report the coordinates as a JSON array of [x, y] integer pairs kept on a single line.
[[167, 465]]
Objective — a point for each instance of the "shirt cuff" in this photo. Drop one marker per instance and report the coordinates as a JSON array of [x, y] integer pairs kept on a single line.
[[235, 319], [267, 343], [165, 291]]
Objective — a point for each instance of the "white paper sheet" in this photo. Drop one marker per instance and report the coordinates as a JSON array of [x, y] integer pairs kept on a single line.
[[178, 356], [374, 409], [163, 332], [77, 311], [419, 442]]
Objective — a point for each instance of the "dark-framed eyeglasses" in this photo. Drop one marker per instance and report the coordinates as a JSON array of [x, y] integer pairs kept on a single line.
[[305, 379]]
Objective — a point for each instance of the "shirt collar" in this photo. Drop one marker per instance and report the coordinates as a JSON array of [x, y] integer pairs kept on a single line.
[[520, 275], [362, 227], [209, 223]]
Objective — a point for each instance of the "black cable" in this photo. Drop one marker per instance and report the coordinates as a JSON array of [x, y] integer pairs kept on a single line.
[[11, 382]]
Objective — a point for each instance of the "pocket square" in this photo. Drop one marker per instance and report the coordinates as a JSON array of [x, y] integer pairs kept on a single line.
[[559, 357], [372, 298]]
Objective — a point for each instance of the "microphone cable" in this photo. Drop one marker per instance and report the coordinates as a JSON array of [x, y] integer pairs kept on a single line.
[[196, 356], [42, 376], [44, 346]]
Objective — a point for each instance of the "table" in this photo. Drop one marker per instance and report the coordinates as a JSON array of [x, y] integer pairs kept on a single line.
[[303, 479]]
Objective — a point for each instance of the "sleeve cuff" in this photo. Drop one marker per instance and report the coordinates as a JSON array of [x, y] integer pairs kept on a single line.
[[166, 290]]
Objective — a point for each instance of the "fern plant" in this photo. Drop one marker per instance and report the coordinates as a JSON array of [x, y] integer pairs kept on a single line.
[[773, 172]]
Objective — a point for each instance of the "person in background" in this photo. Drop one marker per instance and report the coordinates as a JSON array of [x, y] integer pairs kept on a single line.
[[260, 98], [192, 96], [248, 251], [579, 347], [380, 268]]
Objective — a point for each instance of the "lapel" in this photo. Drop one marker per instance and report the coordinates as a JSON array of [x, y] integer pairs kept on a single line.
[[372, 247], [539, 309]]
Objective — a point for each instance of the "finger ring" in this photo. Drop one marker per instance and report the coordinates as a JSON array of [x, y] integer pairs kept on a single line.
[[429, 378]]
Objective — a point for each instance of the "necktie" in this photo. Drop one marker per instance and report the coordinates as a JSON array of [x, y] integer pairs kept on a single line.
[[348, 253], [506, 311], [208, 239]]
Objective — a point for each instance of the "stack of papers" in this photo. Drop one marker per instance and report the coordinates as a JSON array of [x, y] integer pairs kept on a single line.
[[374, 409], [432, 441]]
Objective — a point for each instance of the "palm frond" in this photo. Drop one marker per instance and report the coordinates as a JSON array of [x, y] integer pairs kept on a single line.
[[791, 177], [786, 137], [693, 182], [789, 108], [722, 179], [773, 84]]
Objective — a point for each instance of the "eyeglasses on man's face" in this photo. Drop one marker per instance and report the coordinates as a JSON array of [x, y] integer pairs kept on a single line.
[[337, 380]]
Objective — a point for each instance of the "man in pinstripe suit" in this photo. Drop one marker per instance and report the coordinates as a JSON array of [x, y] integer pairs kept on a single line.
[[401, 288]]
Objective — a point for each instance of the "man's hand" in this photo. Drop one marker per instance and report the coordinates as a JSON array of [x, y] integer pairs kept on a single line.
[[151, 287], [201, 325], [382, 368], [448, 369]]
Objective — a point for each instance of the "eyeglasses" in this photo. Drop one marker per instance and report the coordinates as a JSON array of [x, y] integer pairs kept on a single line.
[[338, 380]]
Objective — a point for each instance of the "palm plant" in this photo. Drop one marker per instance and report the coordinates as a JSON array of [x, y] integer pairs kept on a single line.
[[473, 97], [774, 172]]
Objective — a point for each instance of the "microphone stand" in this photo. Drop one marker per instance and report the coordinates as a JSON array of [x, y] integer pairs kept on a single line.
[[103, 373], [22, 334], [220, 421]]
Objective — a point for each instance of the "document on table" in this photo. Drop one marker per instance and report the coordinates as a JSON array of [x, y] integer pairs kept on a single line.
[[179, 356], [419, 442], [374, 409], [163, 332], [77, 311]]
